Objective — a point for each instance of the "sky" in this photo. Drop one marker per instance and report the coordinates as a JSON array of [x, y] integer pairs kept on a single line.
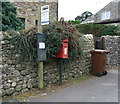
[[69, 9]]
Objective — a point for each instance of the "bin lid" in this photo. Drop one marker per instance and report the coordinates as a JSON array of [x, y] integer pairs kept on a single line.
[[99, 51]]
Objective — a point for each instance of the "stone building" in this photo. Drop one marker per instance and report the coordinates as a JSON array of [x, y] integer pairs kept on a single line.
[[29, 12], [110, 14]]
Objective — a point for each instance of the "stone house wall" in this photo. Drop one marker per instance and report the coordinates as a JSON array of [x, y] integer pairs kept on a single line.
[[119, 10], [29, 12], [113, 7]]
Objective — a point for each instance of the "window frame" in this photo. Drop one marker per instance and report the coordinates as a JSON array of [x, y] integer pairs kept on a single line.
[[105, 15]]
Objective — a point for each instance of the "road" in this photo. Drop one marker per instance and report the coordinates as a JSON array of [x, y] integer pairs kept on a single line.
[[95, 89]]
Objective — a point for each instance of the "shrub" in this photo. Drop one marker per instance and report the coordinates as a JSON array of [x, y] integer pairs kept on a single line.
[[58, 31], [74, 22], [98, 29], [23, 43], [9, 21]]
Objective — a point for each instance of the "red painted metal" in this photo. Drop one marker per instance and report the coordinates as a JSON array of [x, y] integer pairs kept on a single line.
[[63, 53]]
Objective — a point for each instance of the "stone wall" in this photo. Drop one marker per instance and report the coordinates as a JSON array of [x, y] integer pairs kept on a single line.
[[15, 78], [29, 12], [21, 78], [111, 43], [0, 67], [76, 68]]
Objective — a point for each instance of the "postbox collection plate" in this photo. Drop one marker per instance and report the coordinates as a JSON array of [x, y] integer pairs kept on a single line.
[[41, 50]]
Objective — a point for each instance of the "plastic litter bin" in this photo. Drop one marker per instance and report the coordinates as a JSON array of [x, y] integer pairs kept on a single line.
[[99, 58]]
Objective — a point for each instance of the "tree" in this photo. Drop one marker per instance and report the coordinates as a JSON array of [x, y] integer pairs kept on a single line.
[[9, 19], [84, 16]]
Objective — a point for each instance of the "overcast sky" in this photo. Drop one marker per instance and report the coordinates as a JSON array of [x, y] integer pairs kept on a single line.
[[69, 9]]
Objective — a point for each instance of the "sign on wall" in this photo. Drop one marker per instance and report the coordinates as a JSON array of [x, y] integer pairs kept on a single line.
[[45, 15]]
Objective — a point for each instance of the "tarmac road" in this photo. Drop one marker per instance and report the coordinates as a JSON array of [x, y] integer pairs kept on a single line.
[[95, 89]]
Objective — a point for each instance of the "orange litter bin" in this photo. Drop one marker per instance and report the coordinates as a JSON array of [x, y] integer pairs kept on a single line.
[[99, 58]]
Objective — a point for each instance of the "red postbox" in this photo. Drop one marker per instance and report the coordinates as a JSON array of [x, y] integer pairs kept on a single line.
[[63, 53]]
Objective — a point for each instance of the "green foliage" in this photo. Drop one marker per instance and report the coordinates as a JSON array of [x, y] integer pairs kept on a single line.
[[9, 19], [58, 31], [98, 29], [74, 22], [22, 44], [84, 16]]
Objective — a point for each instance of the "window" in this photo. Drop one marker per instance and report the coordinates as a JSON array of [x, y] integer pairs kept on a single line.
[[22, 20], [36, 22], [106, 15], [42, 0]]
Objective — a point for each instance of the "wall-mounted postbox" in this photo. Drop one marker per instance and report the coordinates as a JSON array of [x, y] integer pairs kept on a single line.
[[63, 53], [41, 49]]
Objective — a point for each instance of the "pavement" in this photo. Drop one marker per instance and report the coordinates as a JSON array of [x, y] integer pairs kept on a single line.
[[95, 89]]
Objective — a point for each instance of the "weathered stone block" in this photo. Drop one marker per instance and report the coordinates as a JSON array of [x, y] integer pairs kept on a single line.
[[18, 88], [15, 93], [19, 78], [24, 86], [16, 73], [6, 86], [9, 91], [3, 92], [20, 83], [25, 72], [25, 90], [13, 84]]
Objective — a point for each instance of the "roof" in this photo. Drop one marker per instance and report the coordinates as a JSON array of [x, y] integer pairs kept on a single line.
[[113, 7], [116, 1]]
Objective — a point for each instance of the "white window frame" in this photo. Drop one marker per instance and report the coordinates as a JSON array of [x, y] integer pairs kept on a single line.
[[105, 15], [42, 0]]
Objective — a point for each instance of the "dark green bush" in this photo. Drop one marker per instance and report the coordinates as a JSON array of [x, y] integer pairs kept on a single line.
[[9, 20], [74, 22], [98, 29], [58, 31]]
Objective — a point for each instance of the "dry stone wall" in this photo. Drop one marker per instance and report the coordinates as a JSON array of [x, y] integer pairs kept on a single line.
[[111, 43], [75, 69], [21, 78], [15, 78]]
